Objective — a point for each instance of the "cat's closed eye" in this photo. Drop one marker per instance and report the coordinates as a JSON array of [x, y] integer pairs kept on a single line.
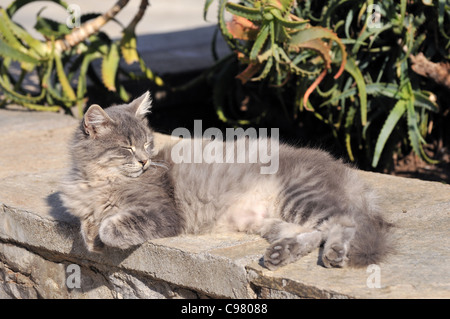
[[131, 149]]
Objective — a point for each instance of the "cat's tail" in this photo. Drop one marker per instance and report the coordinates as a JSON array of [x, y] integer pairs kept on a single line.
[[373, 241]]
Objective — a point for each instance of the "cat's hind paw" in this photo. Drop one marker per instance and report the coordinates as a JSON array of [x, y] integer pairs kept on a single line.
[[335, 256], [289, 250], [281, 252]]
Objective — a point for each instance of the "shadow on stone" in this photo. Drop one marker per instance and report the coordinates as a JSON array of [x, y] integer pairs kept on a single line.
[[69, 227], [58, 211], [319, 258]]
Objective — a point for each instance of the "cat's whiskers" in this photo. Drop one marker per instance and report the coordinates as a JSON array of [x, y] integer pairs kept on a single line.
[[159, 164]]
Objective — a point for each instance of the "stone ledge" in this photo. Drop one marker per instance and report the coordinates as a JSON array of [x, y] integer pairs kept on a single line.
[[38, 240]]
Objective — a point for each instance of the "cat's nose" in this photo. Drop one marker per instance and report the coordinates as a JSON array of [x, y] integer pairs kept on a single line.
[[143, 162]]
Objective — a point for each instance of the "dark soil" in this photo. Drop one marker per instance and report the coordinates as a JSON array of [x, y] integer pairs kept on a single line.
[[412, 166]]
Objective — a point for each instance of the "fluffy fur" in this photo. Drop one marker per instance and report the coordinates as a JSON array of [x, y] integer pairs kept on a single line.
[[125, 194]]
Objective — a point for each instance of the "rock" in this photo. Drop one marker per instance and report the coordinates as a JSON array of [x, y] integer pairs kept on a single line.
[[42, 254]]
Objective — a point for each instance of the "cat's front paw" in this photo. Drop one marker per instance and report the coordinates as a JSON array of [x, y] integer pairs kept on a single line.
[[335, 256], [89, 232], [281, 252], [94, 245], [116, 231]]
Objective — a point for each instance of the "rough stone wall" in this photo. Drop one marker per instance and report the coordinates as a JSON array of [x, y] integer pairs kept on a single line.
[[27, 274], [40, 242]]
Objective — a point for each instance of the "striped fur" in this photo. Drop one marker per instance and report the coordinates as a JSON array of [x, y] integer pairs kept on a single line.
[[125, 194]]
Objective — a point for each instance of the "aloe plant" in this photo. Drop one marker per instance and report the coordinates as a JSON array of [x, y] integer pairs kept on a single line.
[[349, 63], [66, 58], [390, 44], [274, 42]]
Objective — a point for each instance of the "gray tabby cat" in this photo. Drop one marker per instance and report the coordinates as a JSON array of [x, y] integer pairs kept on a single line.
[[124, 193]]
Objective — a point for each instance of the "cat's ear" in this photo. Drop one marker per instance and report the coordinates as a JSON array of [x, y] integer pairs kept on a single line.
[[96, 121], [142, 105]]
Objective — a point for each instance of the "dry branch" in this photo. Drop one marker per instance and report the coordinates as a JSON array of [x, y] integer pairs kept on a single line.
[[438, 72], [139, 15], [80, 34]]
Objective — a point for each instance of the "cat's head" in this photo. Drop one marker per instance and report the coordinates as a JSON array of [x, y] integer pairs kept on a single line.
[[116, 140]]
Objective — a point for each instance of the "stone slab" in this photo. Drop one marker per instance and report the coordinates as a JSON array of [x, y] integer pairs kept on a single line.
[[33, 223]]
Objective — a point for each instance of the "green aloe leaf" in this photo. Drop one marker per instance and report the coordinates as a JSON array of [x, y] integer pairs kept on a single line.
[[110, 64], [293, 67], [65, 84], [8, 51], [286, 23], [252, 14], [17, 37], [309, 34], [124, 95], [320, 47], [266, 70], [389, 125], [423, 101], [128, 47], [7, 34], [389, 90], [88, 58], [8, 89], [441, 17], [149, 73], [415, 138], [348, 125], [82, 87], [49, 28], [39, 107], [355, 72], [285, 4], [54, 93], [233, 43], [206, 7], [17, 4], [261, 38]]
